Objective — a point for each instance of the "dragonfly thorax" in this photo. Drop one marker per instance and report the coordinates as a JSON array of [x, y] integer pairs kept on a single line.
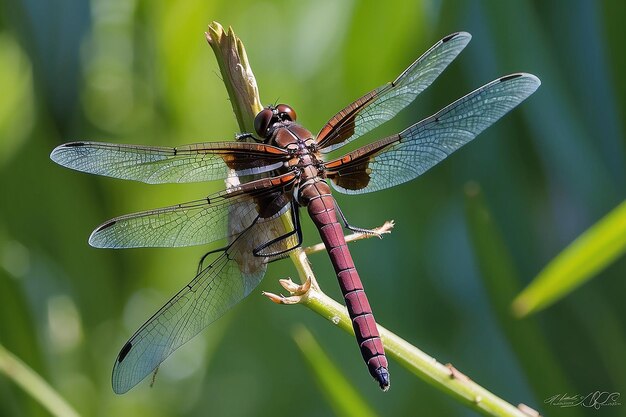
[[305, 157]]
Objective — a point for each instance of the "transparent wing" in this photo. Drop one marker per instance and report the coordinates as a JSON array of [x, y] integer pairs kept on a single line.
[[226, 281], [405, 156], [194, 223], [157, 165], [383, 103]]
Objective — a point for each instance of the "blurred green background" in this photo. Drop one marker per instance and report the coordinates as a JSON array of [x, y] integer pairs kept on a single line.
[[141, 72]]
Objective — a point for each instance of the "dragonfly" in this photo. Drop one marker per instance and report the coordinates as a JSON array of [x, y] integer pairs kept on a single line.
[[272, 173]]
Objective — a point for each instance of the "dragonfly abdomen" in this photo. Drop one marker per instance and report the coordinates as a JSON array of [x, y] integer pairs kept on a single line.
[[321, 207]]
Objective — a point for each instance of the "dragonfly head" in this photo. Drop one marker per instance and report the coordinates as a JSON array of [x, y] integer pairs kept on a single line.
[[265, 120]]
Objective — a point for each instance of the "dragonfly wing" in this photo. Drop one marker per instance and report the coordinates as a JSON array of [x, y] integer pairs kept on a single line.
[[158, 165], [383, 103], [410, 153], [218, 287], [194, 223]]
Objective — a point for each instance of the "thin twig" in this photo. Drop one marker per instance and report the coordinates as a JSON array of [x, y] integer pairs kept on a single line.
[[34, 385], [377, 232]]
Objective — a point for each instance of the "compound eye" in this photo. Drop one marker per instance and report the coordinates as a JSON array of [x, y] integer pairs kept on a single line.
[[286, 112], [262, 122]]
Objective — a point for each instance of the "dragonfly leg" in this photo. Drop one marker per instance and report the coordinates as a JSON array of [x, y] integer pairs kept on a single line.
[[243, 136], [295, 215], [200, 267], [355, 229], [201, 263], [225, 248]]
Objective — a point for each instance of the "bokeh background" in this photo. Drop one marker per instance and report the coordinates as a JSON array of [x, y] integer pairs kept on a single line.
[[133, 71]]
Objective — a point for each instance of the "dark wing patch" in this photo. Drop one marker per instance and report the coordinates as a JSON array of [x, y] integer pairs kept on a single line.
[[341, 126], [352, 171]]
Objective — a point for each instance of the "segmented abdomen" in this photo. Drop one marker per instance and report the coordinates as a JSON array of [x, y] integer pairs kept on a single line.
[[321, 207]]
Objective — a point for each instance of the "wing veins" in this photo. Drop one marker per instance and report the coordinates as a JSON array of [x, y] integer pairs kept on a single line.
[[154, 164], [193, 223], [400, 158], [371, 110]]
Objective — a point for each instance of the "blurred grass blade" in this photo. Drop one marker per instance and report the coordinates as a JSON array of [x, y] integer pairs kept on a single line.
[[502, 282], [18, 334], [342, 397], [35, 385], [588, 255]]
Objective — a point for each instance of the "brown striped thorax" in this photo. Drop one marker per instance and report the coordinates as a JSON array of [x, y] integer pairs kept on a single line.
[[277, 126]]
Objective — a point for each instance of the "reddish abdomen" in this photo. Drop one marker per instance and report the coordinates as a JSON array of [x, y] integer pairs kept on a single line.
[[322, 210]]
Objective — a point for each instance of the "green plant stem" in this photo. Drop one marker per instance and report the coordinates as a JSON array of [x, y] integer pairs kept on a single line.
[[243, 93], [34, 384], [443, 377]]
